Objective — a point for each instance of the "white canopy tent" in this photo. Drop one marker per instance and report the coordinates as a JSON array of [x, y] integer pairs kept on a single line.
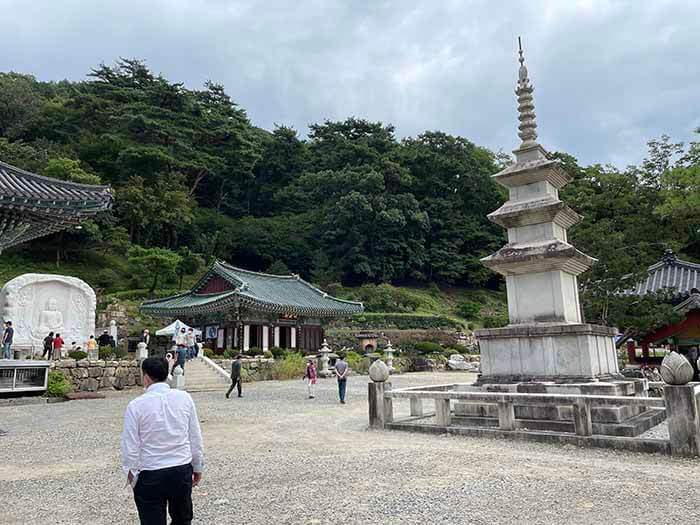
[[174, 327]]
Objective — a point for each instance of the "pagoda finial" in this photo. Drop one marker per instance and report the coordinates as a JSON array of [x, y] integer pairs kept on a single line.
[[526, 105]]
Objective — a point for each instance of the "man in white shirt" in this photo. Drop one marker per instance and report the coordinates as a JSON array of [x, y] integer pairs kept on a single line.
[[162, 451]]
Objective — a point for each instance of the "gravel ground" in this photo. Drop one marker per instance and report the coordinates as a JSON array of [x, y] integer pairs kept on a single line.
[[276, 457]]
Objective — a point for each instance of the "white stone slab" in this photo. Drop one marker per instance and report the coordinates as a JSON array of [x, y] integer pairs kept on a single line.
[[41, 303]]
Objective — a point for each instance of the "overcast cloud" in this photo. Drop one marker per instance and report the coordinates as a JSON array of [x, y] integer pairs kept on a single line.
[[608, 75]]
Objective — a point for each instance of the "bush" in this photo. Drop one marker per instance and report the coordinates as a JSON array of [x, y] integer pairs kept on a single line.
[[107, 353], [468, 310], [427, 347], [495, 320], [293, 366], [268, 355], [208, 352], [403, 321], [77, 355], [358, 363], [278, 352], [58, 385], [387, 298], [254, 351], [107, 278], [230, 354]]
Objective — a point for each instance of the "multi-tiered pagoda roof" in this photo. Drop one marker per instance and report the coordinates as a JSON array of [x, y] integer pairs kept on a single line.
[[32, 206]]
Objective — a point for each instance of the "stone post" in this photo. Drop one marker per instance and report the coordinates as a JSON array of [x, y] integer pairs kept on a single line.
[[178, 378], [141, 352], [381, 410], [93, 355], [324, 351], [113, 330], [389, 352], [683, 418]]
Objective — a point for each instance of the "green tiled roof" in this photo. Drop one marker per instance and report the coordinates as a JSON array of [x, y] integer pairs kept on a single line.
[[278, 294]]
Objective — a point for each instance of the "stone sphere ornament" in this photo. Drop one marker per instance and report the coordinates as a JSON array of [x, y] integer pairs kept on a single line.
[[676, 369], [378, 371]]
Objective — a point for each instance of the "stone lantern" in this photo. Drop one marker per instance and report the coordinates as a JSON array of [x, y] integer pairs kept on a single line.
[[324, 351], [389, 352]]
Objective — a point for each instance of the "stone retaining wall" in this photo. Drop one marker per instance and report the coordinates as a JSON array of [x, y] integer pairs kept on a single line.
[[90, 376], [251, 369]]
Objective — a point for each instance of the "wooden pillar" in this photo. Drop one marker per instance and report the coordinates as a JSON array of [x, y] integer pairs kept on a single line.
[[645, 352], [276, 337], [631, 352]]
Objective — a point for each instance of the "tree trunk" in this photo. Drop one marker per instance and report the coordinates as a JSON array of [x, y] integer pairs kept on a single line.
[[197, 180]]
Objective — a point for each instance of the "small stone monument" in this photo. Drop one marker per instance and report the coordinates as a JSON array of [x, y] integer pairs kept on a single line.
[[178, 378], [389, 352], [380, 408], [141, 351], [113, 330], [324, 351]]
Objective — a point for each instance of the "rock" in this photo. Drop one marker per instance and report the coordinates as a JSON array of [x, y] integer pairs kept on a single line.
[[118, 383], [106, 382], [84, 363], [378, 371], [92, 385], [95, 372], [68, 363], [222, 501], [457, 362], [79, 373], [99, 362], [109, 371], [676, 369]]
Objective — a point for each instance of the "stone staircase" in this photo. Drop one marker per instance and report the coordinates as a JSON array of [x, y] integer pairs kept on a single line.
[[199, 377]]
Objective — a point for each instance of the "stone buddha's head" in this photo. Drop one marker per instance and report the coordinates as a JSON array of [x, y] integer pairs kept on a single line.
[[51, 305]]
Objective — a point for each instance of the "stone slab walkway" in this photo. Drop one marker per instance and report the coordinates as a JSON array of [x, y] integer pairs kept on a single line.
[[276, 457]]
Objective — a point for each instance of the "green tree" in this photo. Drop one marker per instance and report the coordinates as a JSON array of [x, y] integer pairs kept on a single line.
[[278, 268], [70, 170], [154, 264], [190, 263]]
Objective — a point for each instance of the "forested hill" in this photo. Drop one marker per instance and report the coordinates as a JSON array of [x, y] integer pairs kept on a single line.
[[350, 203]]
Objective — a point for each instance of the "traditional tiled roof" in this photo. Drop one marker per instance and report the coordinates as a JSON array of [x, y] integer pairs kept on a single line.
[[32, 206], [669, 274], [277, 294]]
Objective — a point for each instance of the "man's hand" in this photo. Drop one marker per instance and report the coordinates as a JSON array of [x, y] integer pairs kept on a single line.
[[196, 478]]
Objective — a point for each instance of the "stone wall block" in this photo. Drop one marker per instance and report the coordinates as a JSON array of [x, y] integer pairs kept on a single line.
[[109, 371], [95, 372], [83, 363], [80, 373]]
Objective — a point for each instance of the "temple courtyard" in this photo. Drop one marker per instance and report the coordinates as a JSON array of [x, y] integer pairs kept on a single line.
[[276, 457]]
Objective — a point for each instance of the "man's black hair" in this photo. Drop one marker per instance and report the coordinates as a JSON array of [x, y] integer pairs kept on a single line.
[[9, 322], [50, 334], [156, 368]]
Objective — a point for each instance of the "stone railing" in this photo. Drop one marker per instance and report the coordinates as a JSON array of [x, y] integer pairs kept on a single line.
[[680, 403], [90, 376]]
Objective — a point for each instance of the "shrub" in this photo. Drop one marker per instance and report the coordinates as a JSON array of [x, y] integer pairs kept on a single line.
[[105, 353], [403, 321], [208, 352], [278, 352], [230, 354], [107, 278], [494, 320], [293, 366], [427, 347], [77, 355], [58, 385], [267, 354], [357, 362], [387, 298], [468, 309], [254, 351]]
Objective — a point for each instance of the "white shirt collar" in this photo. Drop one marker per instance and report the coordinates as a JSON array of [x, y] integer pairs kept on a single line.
[[161, 386]]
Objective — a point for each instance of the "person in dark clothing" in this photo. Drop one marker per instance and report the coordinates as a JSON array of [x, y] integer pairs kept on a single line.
[[103, 340], [7, 336], [48, 347], [341, 373], [235, 376]]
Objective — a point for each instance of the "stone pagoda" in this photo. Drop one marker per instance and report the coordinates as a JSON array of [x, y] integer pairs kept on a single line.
[[546, 339]]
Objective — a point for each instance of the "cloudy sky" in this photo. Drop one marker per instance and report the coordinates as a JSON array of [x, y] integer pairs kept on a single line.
[[608, 75]]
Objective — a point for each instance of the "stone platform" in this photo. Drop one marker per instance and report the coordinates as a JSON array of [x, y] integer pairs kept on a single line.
[[625, 420], [561, 352]]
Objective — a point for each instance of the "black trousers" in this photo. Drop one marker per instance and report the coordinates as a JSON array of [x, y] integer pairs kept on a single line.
[[235, 383], [169, 487]]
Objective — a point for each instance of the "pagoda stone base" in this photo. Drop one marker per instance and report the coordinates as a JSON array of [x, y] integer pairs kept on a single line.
[[556, 352]]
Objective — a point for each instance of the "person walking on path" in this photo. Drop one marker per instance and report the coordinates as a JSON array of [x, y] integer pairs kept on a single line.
[[57, 346], [7, 336], [341, 372], [310, 377], [181, 343], [48, 347], [191, 344], [162, 449], [235, 377], [92, 344]]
